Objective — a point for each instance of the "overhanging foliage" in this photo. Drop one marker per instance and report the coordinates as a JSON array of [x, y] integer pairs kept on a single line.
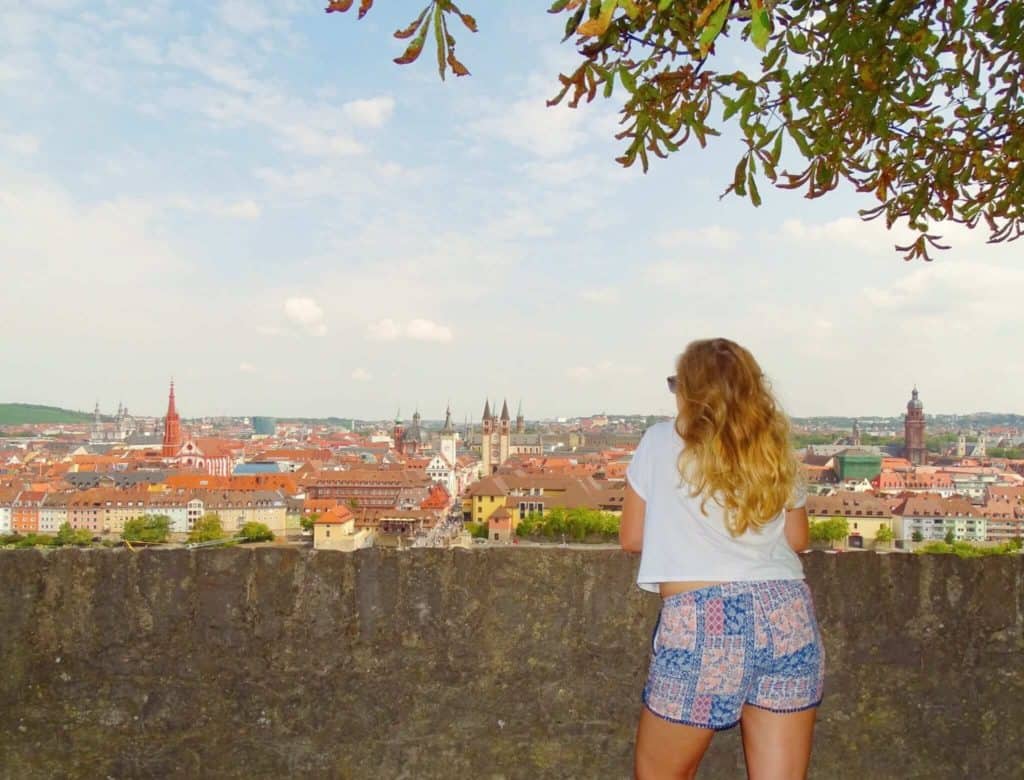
[[919, 103]]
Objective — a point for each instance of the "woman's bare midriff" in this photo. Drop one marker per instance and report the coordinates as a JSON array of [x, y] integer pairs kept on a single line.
[[672, 588]]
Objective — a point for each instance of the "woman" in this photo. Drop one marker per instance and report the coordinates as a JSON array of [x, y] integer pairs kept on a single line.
[[712, 505]]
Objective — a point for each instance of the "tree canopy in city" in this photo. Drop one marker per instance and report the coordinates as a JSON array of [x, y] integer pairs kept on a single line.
[[919, 103]]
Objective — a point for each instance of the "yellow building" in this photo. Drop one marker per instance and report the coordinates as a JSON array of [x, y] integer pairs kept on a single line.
[[521, 494], [238, 507], [865, 514], [336, 530]]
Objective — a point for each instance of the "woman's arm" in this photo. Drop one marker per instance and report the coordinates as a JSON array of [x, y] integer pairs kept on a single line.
[[631, 524], [797, 530]]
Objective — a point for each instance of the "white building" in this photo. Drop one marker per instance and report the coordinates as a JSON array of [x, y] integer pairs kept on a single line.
[[5, 511], [53, 513]]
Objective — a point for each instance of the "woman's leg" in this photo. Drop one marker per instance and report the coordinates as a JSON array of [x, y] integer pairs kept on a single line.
[[777, 745], [666, 750]]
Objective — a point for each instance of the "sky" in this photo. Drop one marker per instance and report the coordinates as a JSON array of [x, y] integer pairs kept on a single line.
[[250, 197]]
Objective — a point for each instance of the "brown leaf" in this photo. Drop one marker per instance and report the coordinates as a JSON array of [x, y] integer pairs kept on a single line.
[[364, 7], [411, 54], [338, 5], [595, 27], [710, 8], [457, 67], [409, 31]]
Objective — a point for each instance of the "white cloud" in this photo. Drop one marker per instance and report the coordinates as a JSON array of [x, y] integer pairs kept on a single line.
[[416, 330], [316, 142], [602, 368], [143, 49], [241, 209], [579, 372], [384, 330], [711, 237], [839, 233], [246, 368], [370, 112], [427, 330], [237, 97], [361, 375], [600, 295], [531, 125], [986, 292], [307, 313], [518, 223], [21, 144], [246, 16]]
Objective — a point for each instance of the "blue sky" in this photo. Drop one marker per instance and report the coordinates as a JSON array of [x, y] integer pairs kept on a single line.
[[251, 197]]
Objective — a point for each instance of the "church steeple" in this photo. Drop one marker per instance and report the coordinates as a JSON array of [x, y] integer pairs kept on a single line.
[[448, 427], [520, 420], [504, 411], [172, 427]]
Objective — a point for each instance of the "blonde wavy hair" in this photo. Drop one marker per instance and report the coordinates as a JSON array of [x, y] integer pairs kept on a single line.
[[738, 451]]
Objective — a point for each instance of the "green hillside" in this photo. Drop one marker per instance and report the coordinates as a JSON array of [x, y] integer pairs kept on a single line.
[[22, 414]]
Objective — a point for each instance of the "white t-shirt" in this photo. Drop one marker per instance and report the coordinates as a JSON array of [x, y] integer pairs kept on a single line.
[[683, 544]]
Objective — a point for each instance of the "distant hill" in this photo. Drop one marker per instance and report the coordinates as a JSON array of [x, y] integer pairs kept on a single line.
[[27, 414]]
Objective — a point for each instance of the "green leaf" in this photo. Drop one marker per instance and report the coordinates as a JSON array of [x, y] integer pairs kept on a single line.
[[760, 27], [737, 177], [755, 196], [713, 27], [627, 78], [609, 83], [801, 141], [630, 8], [664, 4], [776, 152], [439, 35]]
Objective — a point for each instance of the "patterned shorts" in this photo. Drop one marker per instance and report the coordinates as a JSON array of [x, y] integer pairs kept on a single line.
[[717, 648]]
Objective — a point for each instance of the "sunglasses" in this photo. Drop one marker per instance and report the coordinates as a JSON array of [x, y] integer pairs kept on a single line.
[[671, 381]]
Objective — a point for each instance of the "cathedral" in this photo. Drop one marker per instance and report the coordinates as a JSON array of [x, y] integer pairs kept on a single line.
[[498, 441], [124, 426]]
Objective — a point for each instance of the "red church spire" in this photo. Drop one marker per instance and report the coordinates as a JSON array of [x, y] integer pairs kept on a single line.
[[172, 428]]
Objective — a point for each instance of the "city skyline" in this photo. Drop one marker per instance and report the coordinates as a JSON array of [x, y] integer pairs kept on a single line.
[[461, 420], [237, 210]]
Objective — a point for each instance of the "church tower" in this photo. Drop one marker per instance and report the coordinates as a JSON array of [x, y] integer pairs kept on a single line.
[[855, 436], [398, 433], [961, 445], [172, 428], [504, 429], [486, 431], [96, 435], [914, 431], [979, 448], [448, 437], [520, 420]]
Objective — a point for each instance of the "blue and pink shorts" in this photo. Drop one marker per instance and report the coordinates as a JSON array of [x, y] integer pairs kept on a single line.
[[717, 648]]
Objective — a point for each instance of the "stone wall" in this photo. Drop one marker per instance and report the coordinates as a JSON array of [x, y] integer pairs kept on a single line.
[[511, 663]]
